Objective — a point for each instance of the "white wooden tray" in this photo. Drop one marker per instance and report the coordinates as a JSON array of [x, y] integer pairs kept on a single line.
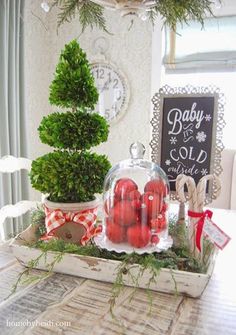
[[188, 283]]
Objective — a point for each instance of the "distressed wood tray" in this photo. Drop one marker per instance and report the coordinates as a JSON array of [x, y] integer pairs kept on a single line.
[[187, 283]]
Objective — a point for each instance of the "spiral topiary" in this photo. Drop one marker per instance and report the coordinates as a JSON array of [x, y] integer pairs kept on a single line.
[[72, 174]]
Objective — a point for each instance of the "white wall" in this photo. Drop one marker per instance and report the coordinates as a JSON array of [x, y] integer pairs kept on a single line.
[[228, 7], [37, 72], [130, 50]]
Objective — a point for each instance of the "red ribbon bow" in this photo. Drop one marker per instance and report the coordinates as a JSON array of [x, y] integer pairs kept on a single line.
[[202, 216], [57, 218]]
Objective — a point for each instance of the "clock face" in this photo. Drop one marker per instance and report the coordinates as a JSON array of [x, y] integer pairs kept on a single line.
[[113, 91]]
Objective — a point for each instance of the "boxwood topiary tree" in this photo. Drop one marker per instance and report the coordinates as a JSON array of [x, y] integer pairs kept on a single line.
[[71, 173]]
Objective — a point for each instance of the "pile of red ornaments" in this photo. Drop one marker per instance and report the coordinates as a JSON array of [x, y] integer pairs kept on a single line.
[[133, 217]]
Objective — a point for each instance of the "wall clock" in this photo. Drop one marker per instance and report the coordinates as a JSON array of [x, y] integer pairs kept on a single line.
[[113, 91]]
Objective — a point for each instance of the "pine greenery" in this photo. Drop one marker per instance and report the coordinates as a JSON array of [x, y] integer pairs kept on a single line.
[[176, 259], [37, 217], [172, 12], [181, 11], [72, 174], [90, 14]]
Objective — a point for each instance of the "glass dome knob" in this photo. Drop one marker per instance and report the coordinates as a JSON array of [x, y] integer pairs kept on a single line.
[[137, 150]]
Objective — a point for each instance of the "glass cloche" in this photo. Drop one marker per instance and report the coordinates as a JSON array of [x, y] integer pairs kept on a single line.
[[135, 201]]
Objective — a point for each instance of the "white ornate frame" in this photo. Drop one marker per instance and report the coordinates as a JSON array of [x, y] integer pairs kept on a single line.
[[218, 124]]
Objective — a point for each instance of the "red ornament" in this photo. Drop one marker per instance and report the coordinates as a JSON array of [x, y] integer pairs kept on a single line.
[[155, 239], [135, 198], [123, 187], [156, 186], [136, 204], [159, 223], [109, 204], [134, 195], [123, 213], [152, 201], [114, 232], [164, 207], [138, 236]]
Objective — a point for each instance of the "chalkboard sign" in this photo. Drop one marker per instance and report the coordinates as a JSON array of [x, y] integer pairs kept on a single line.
[[187, 130]]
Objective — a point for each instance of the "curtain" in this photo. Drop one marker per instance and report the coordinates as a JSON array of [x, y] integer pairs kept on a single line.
[[13, 130], [210, 48]]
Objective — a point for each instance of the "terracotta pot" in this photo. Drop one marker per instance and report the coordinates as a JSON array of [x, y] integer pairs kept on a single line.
[[70, 231]]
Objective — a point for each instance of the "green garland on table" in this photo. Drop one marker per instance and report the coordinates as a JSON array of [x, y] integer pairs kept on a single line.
[[176, 258], [172, 11], [38, 219]]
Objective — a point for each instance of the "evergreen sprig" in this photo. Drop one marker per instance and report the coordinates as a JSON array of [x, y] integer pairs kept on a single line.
[[180, 11], [67, 8], [90, 13], [37, 217], [172, 11], [29, 275]]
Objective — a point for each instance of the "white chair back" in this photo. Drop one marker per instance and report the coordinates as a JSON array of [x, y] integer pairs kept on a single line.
[[233, 186], [225, 199], [10, 164]]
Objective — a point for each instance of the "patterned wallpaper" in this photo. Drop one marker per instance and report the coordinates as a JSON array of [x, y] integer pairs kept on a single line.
[[129, 49]]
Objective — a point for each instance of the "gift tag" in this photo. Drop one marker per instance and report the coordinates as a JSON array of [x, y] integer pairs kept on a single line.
[[215, 234]]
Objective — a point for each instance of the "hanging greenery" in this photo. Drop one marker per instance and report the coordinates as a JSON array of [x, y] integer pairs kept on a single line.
[[90, 14], [172, 12]]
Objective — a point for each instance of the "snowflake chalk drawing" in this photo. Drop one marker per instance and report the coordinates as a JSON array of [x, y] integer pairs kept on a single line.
[[168, 162], [208, 118], [204, 172], [173, 140], [201, 136]]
